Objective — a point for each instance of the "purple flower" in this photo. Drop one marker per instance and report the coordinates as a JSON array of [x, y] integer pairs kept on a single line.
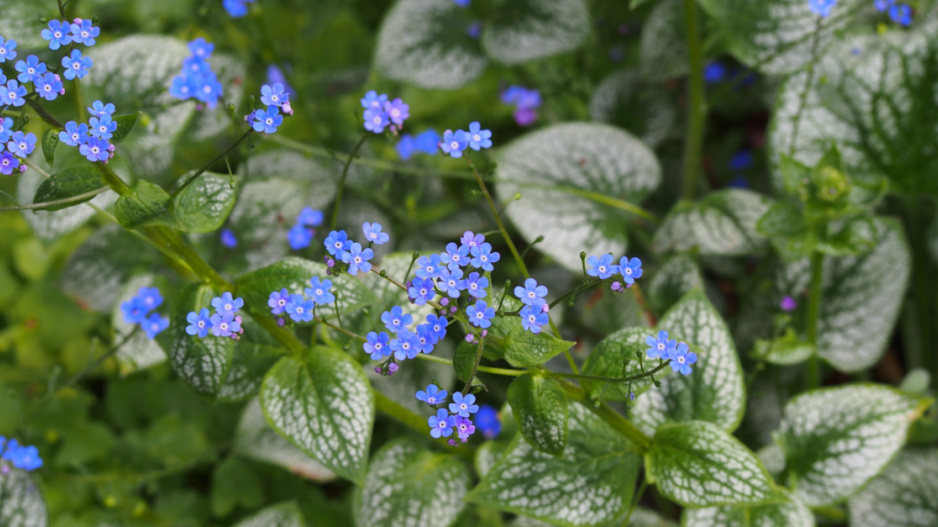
[[531, 293], [601, 266], [278, 301], [476, 285], [397, 111], [525, 116], [320, 291], [373, 233], [464, 428], [57, 34], [299, 308], [483, 257], [533, 318], [630, 270], [376, 345], [479, 138], [199, 323], [480, 315], [788, 304], [681, 359], [441, 424], [300, 237], [8, 163], [396, 320], [95, 149], [421, 291], [463, 405], [433, 396], [454, 142], [455, 256], [661, 347]]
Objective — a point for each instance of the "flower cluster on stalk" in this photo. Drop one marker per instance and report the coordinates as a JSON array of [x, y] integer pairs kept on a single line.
[[276, 100], [14, 147], [426, 142], [196, 79], [603, 267], [476, 138], [91, 138], [225, 322], [456, 417], [677, 352], [23, 457], [526, 103], [301, 234], [139, 310], [299, 307], [380, 112]]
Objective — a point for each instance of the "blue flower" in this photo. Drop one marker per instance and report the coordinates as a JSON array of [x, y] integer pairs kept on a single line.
[[199, 323], [480, 315], [76, 65], [226, 304], [30, 70], [883, 5], [426, 338], [8, 163], [661, 347], [601, 266], [464, 428], [463, 405], [471, 240], [192, 67], [6, 129], [278, 301], [6, 49], [462, 3], [99, 109], [201, 48], [358, 259], [373, 233], [236, 8], [476, 285], [150, 297], [154, 324], [337, 243], [433, 396], [714, 72], [373, 101], [49, 86], [479, 138], [681, 359], [299, 308], [531, 293], [474, 30], [428, 142], [454, 142], [487, 421], [309, 217], [455, 256], [22, 144], [228, 239], [375, 120], [83, 32], [275, 75], [397, 111], [224, 325], [134, 311], [406, 345], [451, 282], [267, 121], [12, 94], [299, 237], [95, 149], [483, 257], [102, 127], [274, 95], [441, 424], [23, 457], [533, 318], [396, 320], [319, 291], [181, 87], [421, 291], [821, 7], [741, 160], [406, 146], [57, 34], [630, 270], [437, 325], [901, 14], [74, 134], [429, 267], [377, 345]]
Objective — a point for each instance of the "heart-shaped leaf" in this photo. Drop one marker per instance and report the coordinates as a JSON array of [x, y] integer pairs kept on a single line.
[[204, 205], [254, 354], [527, 30], [203, 363], [145, 204], [540, 408], [723, 224], [49, 225], [76, 184], [663, 52], [903, 495], [21, 501], [615, 357]]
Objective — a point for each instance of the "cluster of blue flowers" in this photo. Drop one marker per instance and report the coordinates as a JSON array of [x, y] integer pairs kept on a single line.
[[407, 343], [225, 322], [454, 417], [13, 147], [138, 310], [534, 313], [92, 138], [277, 100], [353, 257], [526, 103], [427, 142], [476, 138], [380, 112], [196, 79], [298, 307], [602, 267], [899, 13], [301, 234], [677, 352], [23, 457], [237, 8]]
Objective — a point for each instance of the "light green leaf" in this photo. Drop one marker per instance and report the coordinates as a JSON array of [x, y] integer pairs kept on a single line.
[[903, 495], [69, 183], [786, 350], [526, 30], [49, 225], [204, 205], [698, 464], [788, 514], [125, 125], [21, 22], [254, 354], [424, 42], [203, 363], [487, 455], [235, 483], [540, 408], [280, 515], [50, 140], [575, 167], [723, 224], [592, 484], [139, 352], [256, 440], [663, 53], [837, 439], [615, 357], [675, 278], [408, 485], [146, 204], [21, 500], [524, 349], [714, 392], [624, 100], [324, 406]]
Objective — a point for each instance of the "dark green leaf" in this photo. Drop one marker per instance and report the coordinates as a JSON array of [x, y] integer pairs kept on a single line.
[[21, 501], [615, 357], [280, 515], [254, 354], [146, 204], [464, 359], [50, 140], [203, 363], [640, 107], [723, 224], [204, 205], [525, 30], [234, 483], [540, 408], [903, 495], [125, 125], [67, 184]]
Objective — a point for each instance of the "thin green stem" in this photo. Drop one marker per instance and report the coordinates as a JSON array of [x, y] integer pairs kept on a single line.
[[697, 110], [79, 101], [610, 416], [498, 220], [814, 314], [475, 367], [112, 179], [480, 369], [64, 201], [614, 380], [216, 159], [348, 163]]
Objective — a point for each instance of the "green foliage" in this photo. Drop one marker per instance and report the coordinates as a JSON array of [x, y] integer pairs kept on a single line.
[[540, 409], [69, 184], [202, 363]]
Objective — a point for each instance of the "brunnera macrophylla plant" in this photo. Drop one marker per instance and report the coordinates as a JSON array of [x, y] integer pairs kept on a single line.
[[226, 309]]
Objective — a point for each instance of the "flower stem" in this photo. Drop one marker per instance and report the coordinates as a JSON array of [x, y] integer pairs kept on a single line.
[[610, 416], [693, 145], [814, 313], [348, 163], [216, 159]]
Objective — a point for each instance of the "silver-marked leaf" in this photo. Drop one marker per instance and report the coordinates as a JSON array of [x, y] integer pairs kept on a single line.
[[21, 22], [540, 408], [714, 391], [324, 406], [903, 495], [487, 455], [789, 514], [280, 515], [203, 363], [674, 279], [138, 352], [424, 42], [577, 168], [776, 36], [663, 52], [698, 464], [837, 439], [409, 485], [526, 30], [21, 500], [256, 440], [591, 485], [615, 357], [70, 183], [723, 224], [204, 205], [644, 110], [254, 354]]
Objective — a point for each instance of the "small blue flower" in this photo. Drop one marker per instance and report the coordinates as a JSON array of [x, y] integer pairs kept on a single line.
[[714, 72], [8, 163], [201, 48], [533, 318], [433, 396], [681, 359], [471, 240], [309, 217], [426, 339], [95, 149], [429, 267], [278, 301], [601, 266], [30, 69], [375, 120], [437, 326], [182, 87], [463, 405], [661, 347], [901, 14], [883, 5], [373, 233], [476, 285], [428, 142], [821, 7], [99, 109], [487, 421], [76, 65], [207, 89], [406, 345], [228, 239], [299, 308], [134, 311], [236, 8], [474, 30], [397, 111], [193, 67], [22, 144], [464, 428], [300, 237], [6, 49], [337, 243], [21, 456], [358, 259], [455, 256], [630, 270], [421, 291], [377, 345], [83, 32], [483, 257], [441, 424], [6, 129], [480, 315], [396, 320], [454, 142], [406, 146], [226, 304], [49, 86], [150, 297], [12, 94], [102, 127], [74, 134], [741, 160], [154, 324], [224, 325], [58, 34], [531, 293], [373, 101], [451, 282], [274, 95], [320, 291], [462, 3], [267, 121], [479, 138]]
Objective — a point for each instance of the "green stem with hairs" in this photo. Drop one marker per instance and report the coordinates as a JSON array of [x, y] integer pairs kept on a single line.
[[348, 163]]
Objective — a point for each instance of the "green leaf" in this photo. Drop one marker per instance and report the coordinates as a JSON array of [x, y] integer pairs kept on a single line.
[[204, 205], [903, 495], [675, 278], [786, 350], [69, 183], [642, 109], [294, 274], [203, 363], [146, 204], [324, 406], [855, 236], [577, 168], [591, 484], [234, 483], [615, 357], [698, 464], [723, 224], [409, 485], [424, 42], [21, 501], [837, 439], [50, 225], [663, 52], [524, 349], [540, 408], [525, 30], [139, 352], [782, 219], [256, 440], [464, 358], [254, 354], [125, 125], [280, 515], [789, 514], [19, 23], [50, 140], [714, 392]]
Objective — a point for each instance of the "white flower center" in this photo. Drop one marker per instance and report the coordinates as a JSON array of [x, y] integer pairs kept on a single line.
[[660, 346], [476, 138], [201, 324], [281, 302], [628, 271], [454, 145], [431, 400], [680, 360], [224, 326], [274, 98], [299, 309]]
